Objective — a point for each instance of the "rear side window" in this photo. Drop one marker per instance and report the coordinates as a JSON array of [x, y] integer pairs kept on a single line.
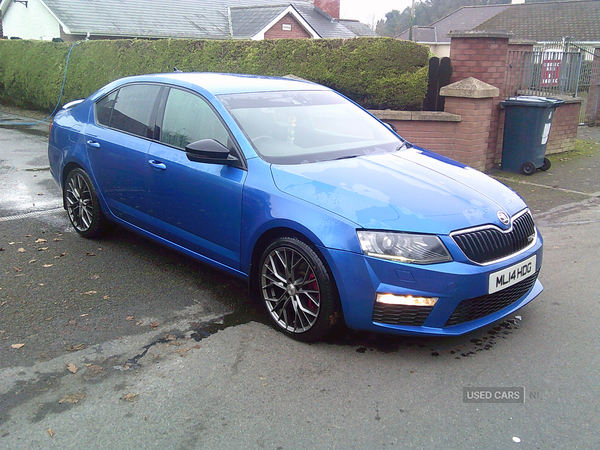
[[130, 109], [189, 118]]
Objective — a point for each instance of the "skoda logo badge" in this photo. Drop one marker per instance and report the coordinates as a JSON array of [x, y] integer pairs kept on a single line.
[[503, 217]]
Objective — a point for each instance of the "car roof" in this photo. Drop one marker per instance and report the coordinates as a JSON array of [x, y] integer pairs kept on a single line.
[[223, 83]]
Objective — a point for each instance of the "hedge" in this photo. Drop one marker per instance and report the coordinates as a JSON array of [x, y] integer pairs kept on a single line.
[[378, 73]]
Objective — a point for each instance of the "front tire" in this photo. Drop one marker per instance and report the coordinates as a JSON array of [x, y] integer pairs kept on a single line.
[[297, 290], [82, 205], [528, 168]]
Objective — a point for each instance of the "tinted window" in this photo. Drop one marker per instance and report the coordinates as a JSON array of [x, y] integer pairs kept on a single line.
[[104, 108], [189, 118], [132, 109]]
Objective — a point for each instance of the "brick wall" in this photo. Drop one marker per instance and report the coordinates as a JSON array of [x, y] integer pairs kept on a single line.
[[564, 129], [461, 132], [483, 56], [277, 31]]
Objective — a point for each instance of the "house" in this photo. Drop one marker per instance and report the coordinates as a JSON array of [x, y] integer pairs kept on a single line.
[[548, 22], [72, 20], [464, 19]]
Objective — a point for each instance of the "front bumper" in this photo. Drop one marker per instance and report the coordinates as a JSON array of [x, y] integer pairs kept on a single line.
[[462, 287]]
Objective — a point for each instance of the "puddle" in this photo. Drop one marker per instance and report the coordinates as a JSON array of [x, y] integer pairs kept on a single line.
[[202, 330], [450, 347]]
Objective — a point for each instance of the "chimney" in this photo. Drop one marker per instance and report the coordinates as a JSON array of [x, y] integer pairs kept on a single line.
[[331, 7]]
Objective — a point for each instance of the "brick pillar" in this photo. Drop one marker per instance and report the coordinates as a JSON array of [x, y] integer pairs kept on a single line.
[[483, 55], [474, 101], [592, 107]]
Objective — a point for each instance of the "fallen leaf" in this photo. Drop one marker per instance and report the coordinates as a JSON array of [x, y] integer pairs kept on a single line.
[[83, 315], [182, 351], [48, 265], [72, 398], [89, 293], [1, 249], [72, 368], [130, 318], [130, 397], [75, 348], [90, 254], [96, 368], [106, 297], [40, 193], [40, 241], [17, 269], [21, 250], [57, 239], [17, 346], [42, 249], [154, 324], [3, 303], [51, 432], [139, 322], [94, 277]]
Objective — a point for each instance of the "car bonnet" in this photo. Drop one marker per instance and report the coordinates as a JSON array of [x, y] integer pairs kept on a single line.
[[409, 190]]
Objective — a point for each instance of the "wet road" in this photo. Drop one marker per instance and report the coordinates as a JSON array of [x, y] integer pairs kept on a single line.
[[130, 345]]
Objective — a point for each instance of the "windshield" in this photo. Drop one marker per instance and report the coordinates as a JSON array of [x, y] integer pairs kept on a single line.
[[295, 127]]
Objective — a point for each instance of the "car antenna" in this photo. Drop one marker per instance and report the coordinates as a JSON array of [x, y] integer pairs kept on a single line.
[[175, 69]]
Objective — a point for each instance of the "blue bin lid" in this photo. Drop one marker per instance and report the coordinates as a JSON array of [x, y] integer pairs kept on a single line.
[[533, 101]]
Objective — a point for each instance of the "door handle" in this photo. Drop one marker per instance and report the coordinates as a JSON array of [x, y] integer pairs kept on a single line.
[[157, 165], [93, 144]]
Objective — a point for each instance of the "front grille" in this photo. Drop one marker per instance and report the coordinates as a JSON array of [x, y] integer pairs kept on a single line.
[[478, 307], [401, 314], [484, 245]]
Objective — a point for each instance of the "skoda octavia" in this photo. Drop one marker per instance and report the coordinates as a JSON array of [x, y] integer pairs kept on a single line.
[[324, 210]]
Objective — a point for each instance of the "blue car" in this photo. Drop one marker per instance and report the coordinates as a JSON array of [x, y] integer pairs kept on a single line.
[[324, 210]]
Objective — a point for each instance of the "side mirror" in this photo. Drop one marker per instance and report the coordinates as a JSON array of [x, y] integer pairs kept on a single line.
[[211, 152]]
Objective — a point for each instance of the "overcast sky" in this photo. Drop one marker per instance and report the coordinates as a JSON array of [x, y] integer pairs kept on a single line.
[[370, 11]]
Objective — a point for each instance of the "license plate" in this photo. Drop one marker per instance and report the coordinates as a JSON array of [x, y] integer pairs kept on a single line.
[[511, 275]]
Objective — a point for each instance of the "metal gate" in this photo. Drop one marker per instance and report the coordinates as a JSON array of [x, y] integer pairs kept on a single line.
[[555, 68]]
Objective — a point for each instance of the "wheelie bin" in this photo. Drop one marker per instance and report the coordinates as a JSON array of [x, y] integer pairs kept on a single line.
[[527, 125]]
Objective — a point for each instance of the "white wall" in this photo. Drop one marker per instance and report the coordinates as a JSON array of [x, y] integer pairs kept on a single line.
[[33, 22], [440, 50]]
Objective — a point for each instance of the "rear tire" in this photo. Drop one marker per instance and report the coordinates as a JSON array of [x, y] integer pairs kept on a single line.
[[82, 205], [297, 290]]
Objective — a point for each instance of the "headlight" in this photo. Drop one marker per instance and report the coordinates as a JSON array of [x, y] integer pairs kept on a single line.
[[403, 247]]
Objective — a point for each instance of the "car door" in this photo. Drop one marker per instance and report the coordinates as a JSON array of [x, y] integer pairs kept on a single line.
[[118, 141], [196, 205]]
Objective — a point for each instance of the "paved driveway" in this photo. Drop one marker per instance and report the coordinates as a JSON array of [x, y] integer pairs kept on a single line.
[[129, 345]]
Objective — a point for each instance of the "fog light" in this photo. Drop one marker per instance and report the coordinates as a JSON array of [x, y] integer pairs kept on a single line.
[[408, 300]]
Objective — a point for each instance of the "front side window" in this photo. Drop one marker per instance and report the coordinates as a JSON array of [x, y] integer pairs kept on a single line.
[[189, 118], [130, 109]]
